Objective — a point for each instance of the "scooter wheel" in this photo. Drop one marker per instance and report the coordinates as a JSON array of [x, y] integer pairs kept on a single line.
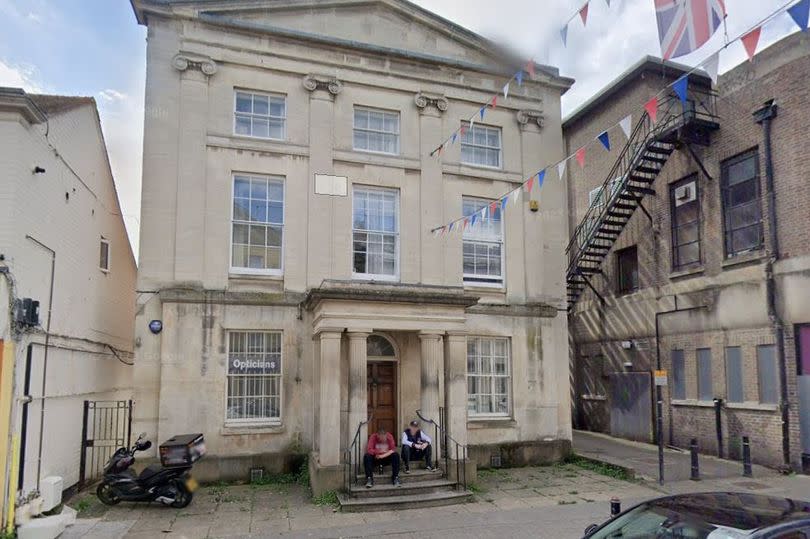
[[107, 494], [183, 497]]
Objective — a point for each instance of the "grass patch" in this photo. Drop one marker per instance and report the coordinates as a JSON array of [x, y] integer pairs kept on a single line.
[[476, 488], [602, 468], [83, 505], [328, 498], [566, 502]]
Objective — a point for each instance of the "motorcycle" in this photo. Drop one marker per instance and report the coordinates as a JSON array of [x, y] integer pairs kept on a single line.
[[169, 485]]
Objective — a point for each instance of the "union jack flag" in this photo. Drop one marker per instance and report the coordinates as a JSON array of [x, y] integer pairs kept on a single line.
[[685, 25]]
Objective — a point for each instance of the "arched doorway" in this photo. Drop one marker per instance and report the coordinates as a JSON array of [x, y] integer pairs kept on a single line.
[[382, 384]]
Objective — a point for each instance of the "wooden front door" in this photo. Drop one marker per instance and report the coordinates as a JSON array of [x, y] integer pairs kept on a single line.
[[382, 396]]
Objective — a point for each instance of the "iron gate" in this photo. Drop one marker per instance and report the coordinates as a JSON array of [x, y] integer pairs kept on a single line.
[[106, 426]]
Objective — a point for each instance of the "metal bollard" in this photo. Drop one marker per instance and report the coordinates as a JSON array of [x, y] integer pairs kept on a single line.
[[693, 450], [615, 507], [746, 456]]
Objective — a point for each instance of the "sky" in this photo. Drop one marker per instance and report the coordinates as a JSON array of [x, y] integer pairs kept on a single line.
[[96, 48]]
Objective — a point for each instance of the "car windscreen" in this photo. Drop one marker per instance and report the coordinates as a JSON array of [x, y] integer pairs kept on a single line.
[[648, 521]]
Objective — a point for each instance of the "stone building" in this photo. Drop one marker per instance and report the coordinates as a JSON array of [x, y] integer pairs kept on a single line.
[[720, 233], [63, 244], [288, 200]]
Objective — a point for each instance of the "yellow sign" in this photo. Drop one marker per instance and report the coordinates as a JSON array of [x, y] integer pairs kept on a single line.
[[660, 378]]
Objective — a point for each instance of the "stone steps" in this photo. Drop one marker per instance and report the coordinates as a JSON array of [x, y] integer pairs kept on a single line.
[[349, 504], [386, 489], [415, 476]]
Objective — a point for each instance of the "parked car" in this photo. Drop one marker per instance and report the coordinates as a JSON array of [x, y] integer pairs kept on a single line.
[[710, 515]]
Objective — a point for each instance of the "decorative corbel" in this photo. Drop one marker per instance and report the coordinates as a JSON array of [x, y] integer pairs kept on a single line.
[[423, 101], [182, 61], [322, 82], [526, 117]]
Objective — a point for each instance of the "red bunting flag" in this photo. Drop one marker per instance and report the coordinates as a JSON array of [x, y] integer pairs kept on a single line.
[[494, 102], [651, 107], [580, 155], [750, 41], [530, 68], [529, 184], [462, 130], [492, 207], [466, 222], [583, 13]]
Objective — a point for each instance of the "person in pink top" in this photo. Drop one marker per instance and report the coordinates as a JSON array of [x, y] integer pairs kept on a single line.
[[381, 450]]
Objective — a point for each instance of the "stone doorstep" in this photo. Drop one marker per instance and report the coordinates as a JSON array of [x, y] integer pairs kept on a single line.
[[393, 503], [387, 489], [415, 476]]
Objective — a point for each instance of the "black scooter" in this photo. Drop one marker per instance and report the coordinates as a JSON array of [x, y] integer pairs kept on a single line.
[[168, 485]]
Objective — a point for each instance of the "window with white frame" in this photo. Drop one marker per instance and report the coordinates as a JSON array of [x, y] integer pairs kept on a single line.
[[260, 115], [481, 146], [376, 130], [257, 224], [488, 377], [375, 231], [482, 243], [254, 377], [104, 254]]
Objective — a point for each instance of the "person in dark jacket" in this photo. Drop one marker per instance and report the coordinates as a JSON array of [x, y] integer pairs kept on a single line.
[[416, 445], [381, 450]]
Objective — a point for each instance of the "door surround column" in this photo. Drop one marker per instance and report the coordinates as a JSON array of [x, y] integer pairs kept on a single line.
[[329, 398], [456, 385], [358, 384], [432, 359]]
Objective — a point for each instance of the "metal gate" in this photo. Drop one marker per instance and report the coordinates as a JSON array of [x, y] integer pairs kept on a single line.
[[106, 426], [631, 406]]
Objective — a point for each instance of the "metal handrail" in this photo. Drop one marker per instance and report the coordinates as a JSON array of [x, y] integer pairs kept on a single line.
[[699, 105], [354, 447], [461, 449]]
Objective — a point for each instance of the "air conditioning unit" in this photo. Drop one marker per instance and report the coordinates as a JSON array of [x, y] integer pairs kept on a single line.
[[685, 193]]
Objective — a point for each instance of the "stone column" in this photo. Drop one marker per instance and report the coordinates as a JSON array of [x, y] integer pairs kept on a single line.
[[358, 385], [329, 399], [456, 386], [432, 354]]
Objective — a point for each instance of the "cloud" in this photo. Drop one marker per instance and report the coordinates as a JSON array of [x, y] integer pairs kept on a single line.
[[109, 95], [20, 76]]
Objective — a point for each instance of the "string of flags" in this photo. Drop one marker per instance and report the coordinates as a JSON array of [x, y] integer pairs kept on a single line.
[[583, 15], [799, 13]]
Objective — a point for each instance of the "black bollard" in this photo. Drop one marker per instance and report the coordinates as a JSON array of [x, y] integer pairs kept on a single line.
[[746, 457], [615, 507], [693, 450]]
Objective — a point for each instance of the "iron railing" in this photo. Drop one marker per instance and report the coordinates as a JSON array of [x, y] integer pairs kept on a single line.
[[460, 453], [351, 466], [672, 114]]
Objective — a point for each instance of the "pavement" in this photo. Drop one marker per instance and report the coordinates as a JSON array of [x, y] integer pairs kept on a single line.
[[557, 502]]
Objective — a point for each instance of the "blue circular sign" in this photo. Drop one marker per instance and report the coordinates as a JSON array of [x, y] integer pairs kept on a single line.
[[155, 326]]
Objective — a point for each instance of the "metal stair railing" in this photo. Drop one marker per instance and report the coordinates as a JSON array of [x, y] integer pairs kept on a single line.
[[619, 183], [351, 466], [460, 452]]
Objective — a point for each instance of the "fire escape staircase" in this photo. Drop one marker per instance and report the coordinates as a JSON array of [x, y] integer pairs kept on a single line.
[[678, 125]]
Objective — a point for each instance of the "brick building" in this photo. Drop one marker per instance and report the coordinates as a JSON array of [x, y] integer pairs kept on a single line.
[[708, 240]]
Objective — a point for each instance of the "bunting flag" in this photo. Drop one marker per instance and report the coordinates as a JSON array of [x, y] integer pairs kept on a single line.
[[493, 207], [504, 200], [506, 88], [519, 77], [800, 13], [472, 122], [750, 41], [462, 130], [680, 86], [540, 177], [561, 168], [494, 102], [583, 14], [626, 124], [482, 111], [529, 184], [453, 140], [712, 65], [530, 68], [515, 194], [651, 107], [580, 155], [564, 35], [607, 2], [604, 138], [473, 219]]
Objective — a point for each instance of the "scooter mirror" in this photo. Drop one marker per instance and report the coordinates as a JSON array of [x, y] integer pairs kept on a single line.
[[142, 436], [145, 445]]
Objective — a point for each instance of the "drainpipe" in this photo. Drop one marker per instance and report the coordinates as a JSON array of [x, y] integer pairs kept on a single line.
[[24, 424], [764, 116]]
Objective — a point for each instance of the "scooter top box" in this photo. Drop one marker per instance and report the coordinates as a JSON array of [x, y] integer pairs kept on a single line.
[[182, 450]]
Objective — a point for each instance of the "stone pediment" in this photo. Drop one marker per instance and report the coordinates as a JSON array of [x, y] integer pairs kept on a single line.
[[387, 24]]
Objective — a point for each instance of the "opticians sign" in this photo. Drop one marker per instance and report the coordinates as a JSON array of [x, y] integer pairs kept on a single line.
[[253, 366]]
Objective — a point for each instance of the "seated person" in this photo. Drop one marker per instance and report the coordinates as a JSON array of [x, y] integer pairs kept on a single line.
[[416, 445], [381, 450]]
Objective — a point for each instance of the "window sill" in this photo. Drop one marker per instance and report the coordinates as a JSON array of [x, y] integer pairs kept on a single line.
[[593, 397], [376, 158], [750, 405], [491, 423], [237, 429], [482, 172], [365, 278], [692, 403], [248, 276], [692, 271], [488, 287], [241, 142], [747, 258]]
